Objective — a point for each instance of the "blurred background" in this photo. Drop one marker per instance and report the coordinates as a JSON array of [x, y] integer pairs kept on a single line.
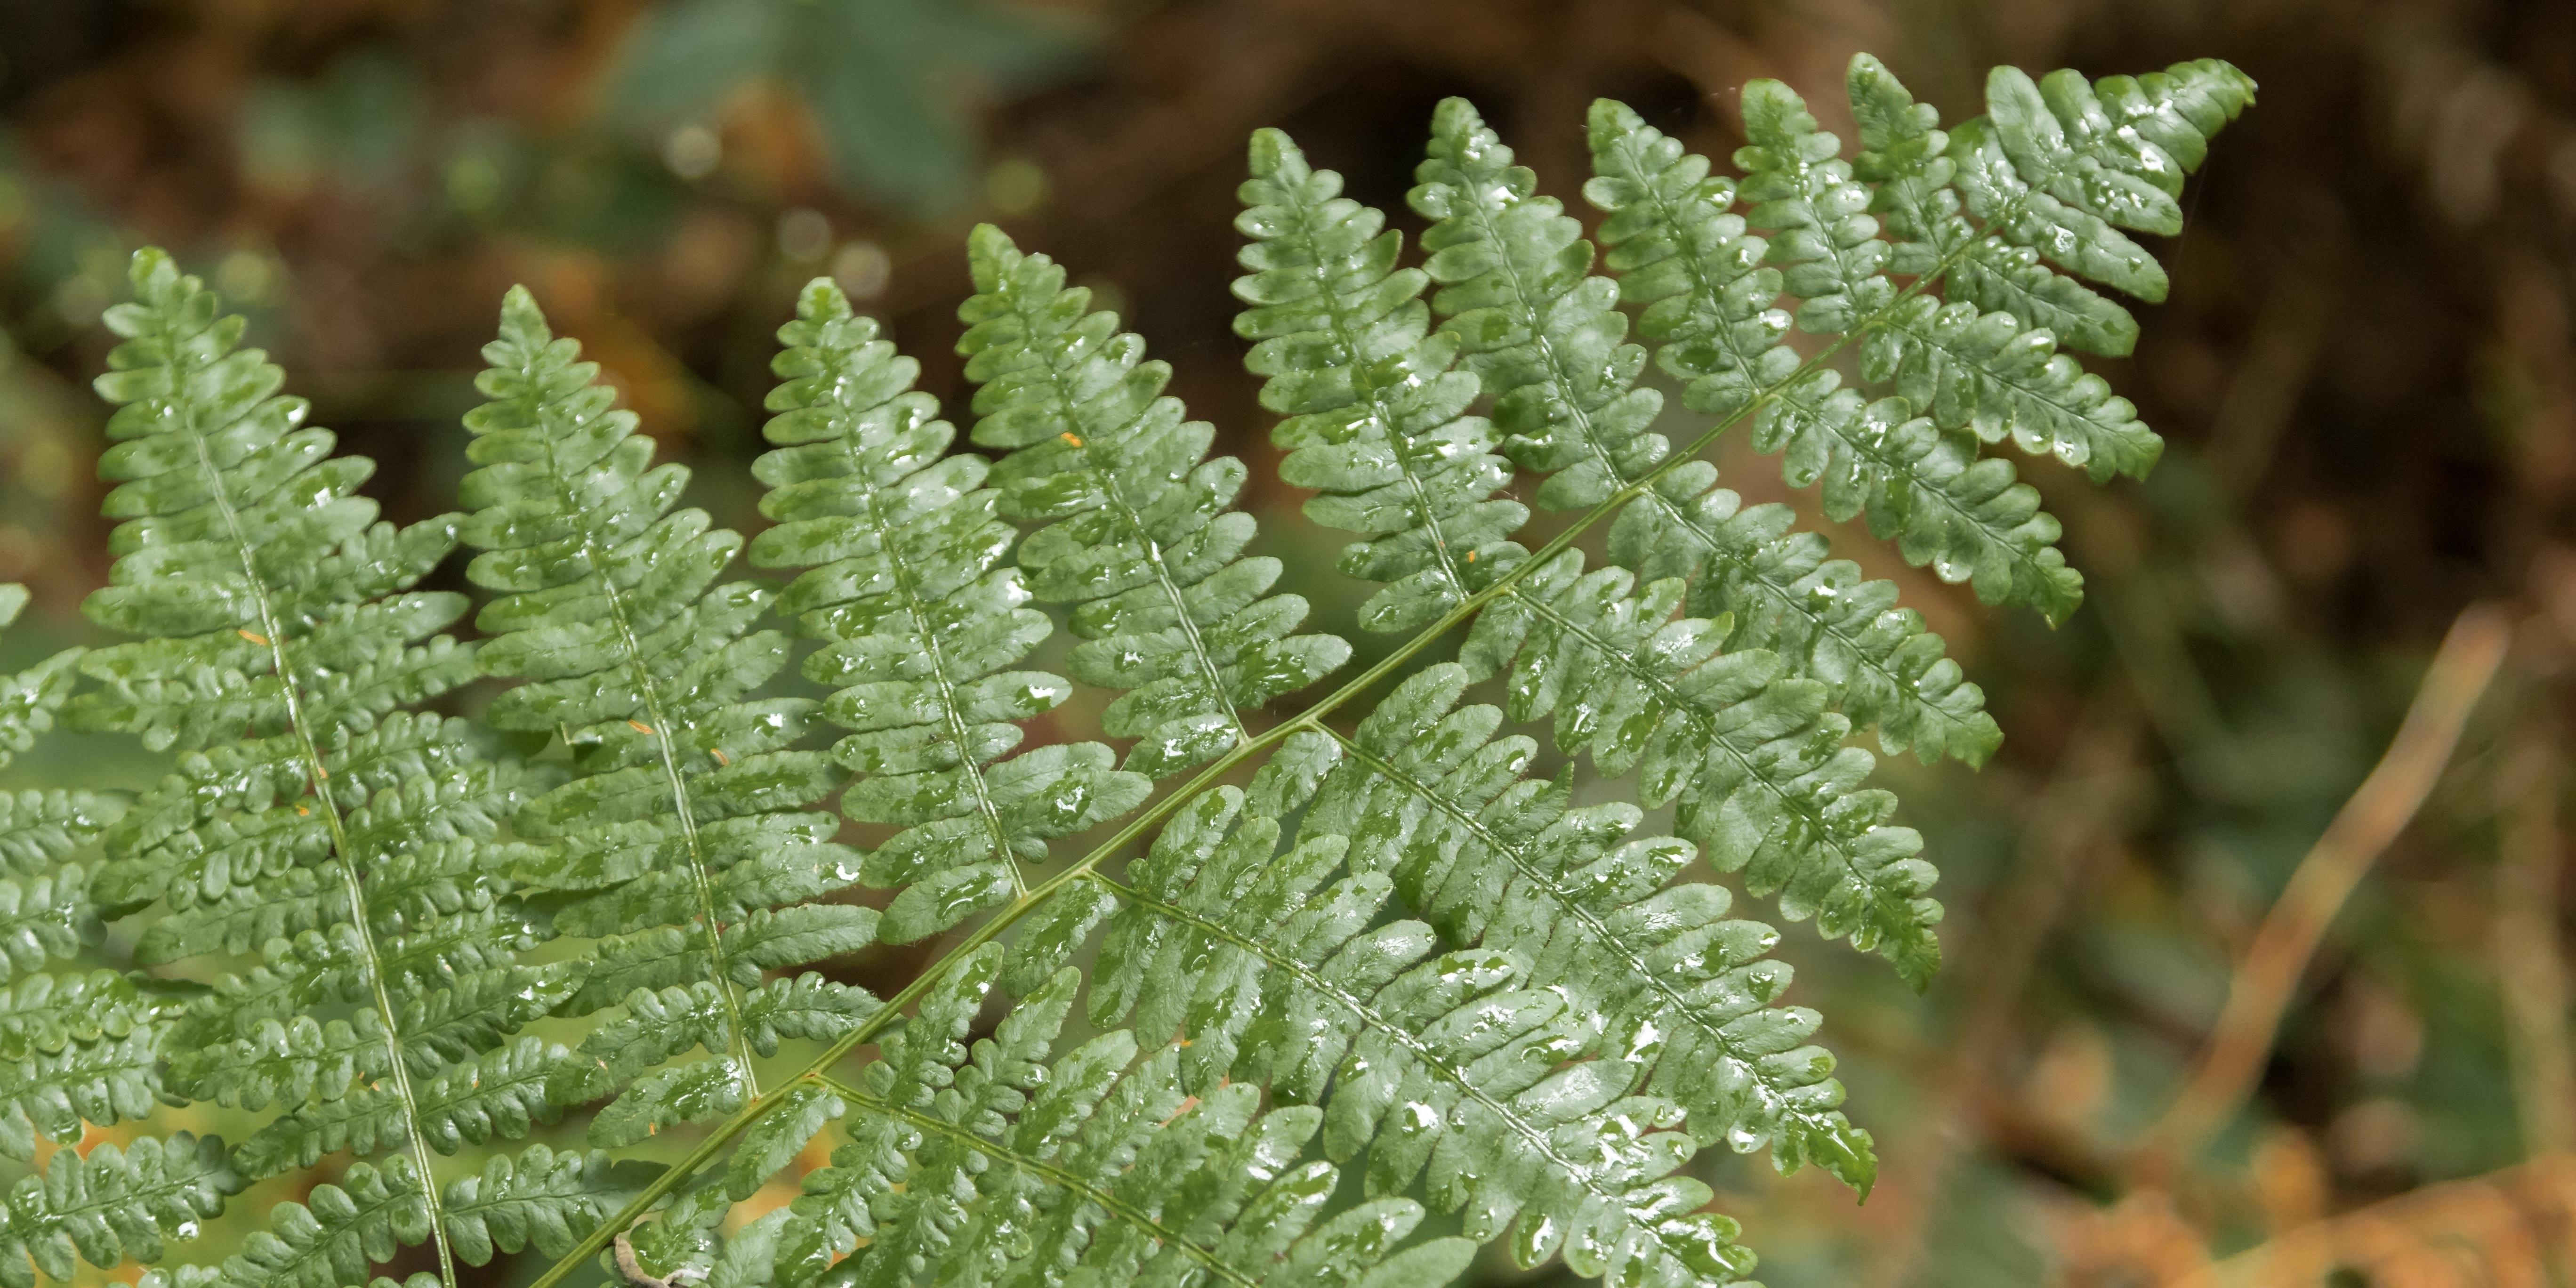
[[2364, 373]]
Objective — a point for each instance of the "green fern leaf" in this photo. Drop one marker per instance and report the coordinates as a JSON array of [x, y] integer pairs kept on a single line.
[[332, 1237], [1758, 767], [920, 627], [45, 907], [1452, 1067], [1101, 1165], [49, 917], [324, 826], [683, 823], [1884, 672], [1138, 536], [110, 1205], [39, 828], [1430, 797], [540, 1199], [2064, 165], [1746, 565], [1374, 411]]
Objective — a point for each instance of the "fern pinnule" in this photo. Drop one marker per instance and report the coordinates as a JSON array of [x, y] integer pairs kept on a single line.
[[680, 842], [922, 626], [111, 1205], [1139, 535]]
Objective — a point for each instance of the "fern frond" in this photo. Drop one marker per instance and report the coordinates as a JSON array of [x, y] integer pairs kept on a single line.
[[683, 824], [278, 619], [1138, 534], [1708, 296], [110, 1205], [921, 627], [1459, 1067], [1432, 798], [993, 1165], [1757, 765], [1375, 413]]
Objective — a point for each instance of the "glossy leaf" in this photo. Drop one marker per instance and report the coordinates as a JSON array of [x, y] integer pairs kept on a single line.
[[922, 628], [683, 823], [1139, 535]]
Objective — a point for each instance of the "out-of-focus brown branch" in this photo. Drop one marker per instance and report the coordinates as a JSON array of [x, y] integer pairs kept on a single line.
[[2530, 966], [2498, 1224], [2269, 971]]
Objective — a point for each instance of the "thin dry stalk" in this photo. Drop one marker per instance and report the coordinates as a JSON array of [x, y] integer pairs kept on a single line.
[[2269, 972], [2489, 1230], [2530, 961]]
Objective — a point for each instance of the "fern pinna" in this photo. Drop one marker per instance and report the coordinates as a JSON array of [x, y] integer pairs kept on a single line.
[[681, 833], [313, 821], [1396, 952]]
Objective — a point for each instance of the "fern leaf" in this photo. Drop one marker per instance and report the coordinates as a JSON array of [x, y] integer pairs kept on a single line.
[[1431, 798], [1929, 492], [683, 823], [1375, 413], [1884, 671], [2057, 171], [45, 907], [541, 1199], [501, 1092], [1801, 187], [2064, 165], [111, 1205], [270, 601], [1138, 536], [1755, 762], [1905, 153], [920, 626], [1453, 1066], [1101, 1165], [332, 1237], [49, 917], [39, 828], [1747, 565]]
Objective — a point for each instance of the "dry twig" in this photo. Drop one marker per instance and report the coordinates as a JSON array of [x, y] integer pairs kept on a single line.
[[2270, 969]]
